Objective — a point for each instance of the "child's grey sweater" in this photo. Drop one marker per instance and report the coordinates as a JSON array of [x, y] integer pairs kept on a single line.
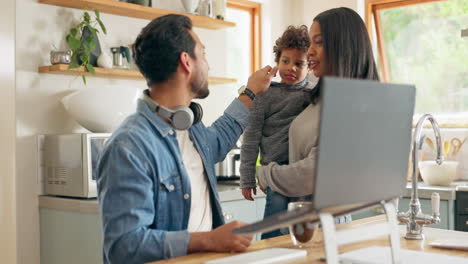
[[271, 114]]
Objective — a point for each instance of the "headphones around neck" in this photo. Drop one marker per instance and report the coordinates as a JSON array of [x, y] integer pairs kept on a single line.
[[180, 118]]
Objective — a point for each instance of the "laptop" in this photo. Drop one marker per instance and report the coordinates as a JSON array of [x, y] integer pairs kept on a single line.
[[363, 150]]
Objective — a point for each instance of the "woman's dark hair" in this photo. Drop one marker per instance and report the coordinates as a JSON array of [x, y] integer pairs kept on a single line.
[[292, 38], [158, 46], [346, 44]]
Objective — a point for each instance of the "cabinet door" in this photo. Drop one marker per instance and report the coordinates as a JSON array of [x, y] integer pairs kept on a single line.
[[368, 213], [70, 237], [242, 210], [447, 211], [260, 206], [245, 211]]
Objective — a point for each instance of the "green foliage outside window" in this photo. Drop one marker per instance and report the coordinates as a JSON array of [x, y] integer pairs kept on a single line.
[[423, 45]]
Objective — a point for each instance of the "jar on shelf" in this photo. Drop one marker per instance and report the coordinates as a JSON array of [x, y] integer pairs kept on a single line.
[[219, 7], [206, 8]]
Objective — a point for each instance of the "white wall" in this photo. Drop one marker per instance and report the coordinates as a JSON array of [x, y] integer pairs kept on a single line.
[[39, 27], [8, 234], [311, 8]]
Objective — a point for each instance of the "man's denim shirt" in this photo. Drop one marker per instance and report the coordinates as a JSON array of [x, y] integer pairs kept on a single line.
[[144, 189]]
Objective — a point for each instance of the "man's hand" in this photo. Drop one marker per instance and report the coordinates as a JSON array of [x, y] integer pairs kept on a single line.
[[220, 239], [247, 193], [260, 80]]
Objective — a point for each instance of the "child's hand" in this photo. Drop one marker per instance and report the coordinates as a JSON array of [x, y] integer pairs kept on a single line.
[[247, 193], [260, 80]]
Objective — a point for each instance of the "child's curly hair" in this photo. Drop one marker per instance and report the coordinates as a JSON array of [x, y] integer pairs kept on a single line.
[[292, 38]]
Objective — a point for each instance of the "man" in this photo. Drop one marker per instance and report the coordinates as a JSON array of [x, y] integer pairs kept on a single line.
[[156, 185]]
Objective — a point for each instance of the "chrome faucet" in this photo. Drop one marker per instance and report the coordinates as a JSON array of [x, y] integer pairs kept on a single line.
[[414, 218]]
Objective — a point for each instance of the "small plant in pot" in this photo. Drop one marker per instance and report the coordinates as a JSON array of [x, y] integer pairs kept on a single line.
[[84, 43]]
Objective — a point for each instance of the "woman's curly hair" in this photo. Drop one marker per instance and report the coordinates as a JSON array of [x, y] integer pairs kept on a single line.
[[292, 38]]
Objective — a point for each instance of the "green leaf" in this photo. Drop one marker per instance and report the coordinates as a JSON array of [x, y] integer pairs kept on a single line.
[[83, 58], [89, 39], [92, 30], [87, 48], [86, 17], [84, 79], [104, 30], [73, 32], [73, 42], [90, 68], [92, 46], [97, 13], [73, 65]]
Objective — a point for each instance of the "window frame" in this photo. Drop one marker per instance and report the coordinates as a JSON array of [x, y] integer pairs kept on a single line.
[[254, 9], [372, 18]]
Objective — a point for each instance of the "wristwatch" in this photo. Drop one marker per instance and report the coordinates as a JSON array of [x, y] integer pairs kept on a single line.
[[244, 90]]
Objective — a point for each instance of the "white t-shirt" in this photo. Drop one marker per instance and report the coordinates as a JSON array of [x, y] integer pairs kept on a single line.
[[201, 215]]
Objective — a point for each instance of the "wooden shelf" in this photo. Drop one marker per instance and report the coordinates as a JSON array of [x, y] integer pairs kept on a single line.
[[137, 11], [113, 73]]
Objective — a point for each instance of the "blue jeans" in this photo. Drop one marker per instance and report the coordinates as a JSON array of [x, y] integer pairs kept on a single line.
[[276, 203]]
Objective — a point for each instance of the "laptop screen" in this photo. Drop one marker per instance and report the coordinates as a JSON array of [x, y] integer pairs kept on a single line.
[[364, 141]]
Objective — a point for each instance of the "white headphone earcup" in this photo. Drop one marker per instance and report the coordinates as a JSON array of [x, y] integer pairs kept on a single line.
[[182, 118]]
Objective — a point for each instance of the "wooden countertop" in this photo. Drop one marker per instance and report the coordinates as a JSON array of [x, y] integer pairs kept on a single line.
[[317, 250]]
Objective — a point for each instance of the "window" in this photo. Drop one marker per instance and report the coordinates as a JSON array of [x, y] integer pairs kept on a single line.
[[243, 40], [420, 42]]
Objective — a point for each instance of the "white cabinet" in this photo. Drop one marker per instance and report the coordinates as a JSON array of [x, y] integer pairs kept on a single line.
[[447, 212], [244, 210], [69, 236]]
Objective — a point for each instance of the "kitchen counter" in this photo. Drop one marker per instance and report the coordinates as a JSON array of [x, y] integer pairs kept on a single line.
[[90, 206], [317, 248], [231, 193], [446, 192]]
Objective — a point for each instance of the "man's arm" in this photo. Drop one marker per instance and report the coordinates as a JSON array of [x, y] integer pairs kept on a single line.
[[226, 130], [128, 211], [220, 239], [258, 82], [126, 191]]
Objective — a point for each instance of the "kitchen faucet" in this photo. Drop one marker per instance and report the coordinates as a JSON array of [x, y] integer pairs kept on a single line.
[[414, 218]]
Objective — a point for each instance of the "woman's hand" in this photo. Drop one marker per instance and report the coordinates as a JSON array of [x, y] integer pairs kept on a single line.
[[260, 80], [262, 188]]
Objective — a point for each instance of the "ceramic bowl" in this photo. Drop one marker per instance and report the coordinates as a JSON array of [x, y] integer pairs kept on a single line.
[[435, 174], [101, 110]]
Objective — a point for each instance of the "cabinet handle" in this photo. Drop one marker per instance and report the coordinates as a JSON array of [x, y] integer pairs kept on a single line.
[[228, 216], [466, 223]]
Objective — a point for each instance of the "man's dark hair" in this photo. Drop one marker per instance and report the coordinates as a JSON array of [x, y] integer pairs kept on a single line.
[[292, 38], [347, 47], [159, 44]]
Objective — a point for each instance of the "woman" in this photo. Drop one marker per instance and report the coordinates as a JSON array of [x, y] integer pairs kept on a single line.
[[340, 47]]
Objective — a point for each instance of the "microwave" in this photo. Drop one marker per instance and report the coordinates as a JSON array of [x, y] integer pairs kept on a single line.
[[68, 162]]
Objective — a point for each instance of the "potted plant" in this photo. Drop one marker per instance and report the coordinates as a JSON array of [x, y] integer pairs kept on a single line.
[[84, 43]]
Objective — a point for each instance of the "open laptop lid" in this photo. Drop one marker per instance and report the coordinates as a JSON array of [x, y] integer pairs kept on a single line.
[[364, 145]]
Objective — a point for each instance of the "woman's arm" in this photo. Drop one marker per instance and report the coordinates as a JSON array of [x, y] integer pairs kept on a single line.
[[293, 180]]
